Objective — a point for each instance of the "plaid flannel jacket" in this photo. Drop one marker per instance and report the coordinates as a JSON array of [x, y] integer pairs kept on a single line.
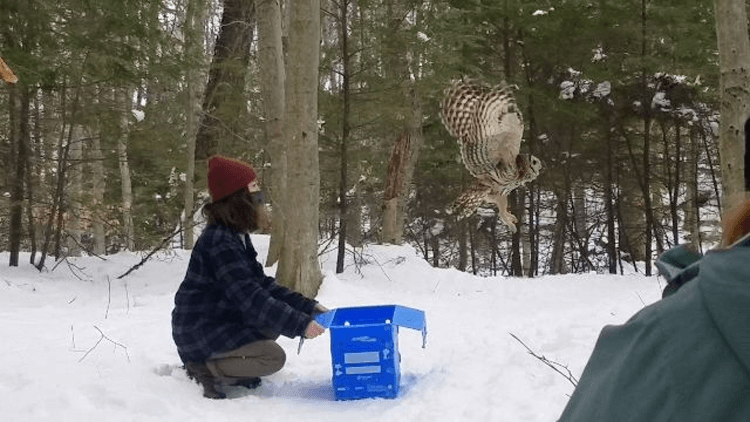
[[226, 301]]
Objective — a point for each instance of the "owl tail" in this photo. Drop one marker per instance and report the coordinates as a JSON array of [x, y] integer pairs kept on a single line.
[[468, 202]]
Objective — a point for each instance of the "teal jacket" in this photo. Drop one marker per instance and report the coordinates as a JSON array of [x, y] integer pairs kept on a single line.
[[685, 358]]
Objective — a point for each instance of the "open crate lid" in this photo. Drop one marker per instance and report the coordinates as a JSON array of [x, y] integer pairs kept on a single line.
[[401, 316]]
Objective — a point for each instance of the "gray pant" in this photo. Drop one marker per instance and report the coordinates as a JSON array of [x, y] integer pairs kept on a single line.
[[256, 359]]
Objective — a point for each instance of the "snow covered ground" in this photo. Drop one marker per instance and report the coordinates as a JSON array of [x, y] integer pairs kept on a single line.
[[80, 345]]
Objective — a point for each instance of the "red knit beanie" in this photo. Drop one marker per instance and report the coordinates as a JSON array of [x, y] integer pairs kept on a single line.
[[226, 176]]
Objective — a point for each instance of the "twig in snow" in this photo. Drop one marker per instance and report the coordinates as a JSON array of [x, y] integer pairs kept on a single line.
[[639, 297], [109, 297], [127, 296], [104, 337], [552, 364]]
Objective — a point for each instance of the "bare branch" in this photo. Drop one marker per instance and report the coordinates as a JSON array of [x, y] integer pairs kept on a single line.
[[568, 375], [103, 337]]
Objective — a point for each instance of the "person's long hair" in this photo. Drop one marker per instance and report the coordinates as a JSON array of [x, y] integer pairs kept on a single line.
[[239, 211]]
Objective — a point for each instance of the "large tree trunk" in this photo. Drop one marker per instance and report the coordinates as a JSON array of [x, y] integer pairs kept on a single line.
[[734, 56], [345, 131], [19, 109], [410, 139], [194, 51], [128, 229], [393, 201], [298, 267], [400, 172], [224, 102], [272, 87]]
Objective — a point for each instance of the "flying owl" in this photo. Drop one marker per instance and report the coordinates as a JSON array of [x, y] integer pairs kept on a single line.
[[489, 127]]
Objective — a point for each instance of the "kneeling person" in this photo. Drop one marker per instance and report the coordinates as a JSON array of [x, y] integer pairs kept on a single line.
[[227, 312]]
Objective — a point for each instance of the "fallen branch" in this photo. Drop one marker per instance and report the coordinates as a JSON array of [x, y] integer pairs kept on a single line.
[[568, 375], [103, 337], [109, 297], [163, 243], [150, 254]]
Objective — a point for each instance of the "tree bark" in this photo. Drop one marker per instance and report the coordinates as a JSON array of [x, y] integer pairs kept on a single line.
[[345, 131], [734, 59], [75, 193], [410, 139], [272, 87], [224, 102], [557, 260], [298, 266], [128, 229], [99, 185], [19, 104], [692, 223], [194, 51]]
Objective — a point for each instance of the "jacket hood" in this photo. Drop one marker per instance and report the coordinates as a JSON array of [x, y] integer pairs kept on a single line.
[[724, 283]]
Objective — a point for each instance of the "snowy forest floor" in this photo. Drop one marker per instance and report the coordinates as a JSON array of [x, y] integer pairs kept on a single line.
[[80, 345]]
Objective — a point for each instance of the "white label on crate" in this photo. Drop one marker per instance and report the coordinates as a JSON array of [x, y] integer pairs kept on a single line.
[[362, 357], [354, 370], [365, 339]]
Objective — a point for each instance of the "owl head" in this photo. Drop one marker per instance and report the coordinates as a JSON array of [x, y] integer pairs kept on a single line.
[[529, 167]]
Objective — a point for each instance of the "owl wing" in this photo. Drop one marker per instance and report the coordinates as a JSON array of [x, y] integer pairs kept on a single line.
[[6, 73], [485, 121]]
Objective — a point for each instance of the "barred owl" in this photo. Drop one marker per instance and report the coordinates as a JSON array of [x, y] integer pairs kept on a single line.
[[488, 126]]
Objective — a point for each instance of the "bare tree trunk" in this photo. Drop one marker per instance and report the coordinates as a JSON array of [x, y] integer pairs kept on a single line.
[[580, 219], [272, 86], [345, 131], [75, 193], [461, 232], [19, 105], [673, 175], [32, 172], [609, 200], [224, 102], [99, 185], [393, 202], [646, 186], [58, 199], [734, 56], [691, 224], [298, 266], [194, 15], [557, 261], [525, 238], [354, 226], [128, 229], [410, 140]]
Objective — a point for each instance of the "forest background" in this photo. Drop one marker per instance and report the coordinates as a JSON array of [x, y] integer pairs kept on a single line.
[[103, 139]]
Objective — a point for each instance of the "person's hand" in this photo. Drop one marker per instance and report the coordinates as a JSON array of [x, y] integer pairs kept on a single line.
[[314, 329], [319, 309]]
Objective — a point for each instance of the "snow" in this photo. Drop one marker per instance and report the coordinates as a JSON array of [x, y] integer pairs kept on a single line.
[[80, 344], [138, 114]]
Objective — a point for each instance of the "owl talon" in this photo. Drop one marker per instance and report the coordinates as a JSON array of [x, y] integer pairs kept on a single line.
[[508, 219]]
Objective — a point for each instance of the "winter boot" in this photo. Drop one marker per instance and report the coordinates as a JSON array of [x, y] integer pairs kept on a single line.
[[251, 383], [200, 373]]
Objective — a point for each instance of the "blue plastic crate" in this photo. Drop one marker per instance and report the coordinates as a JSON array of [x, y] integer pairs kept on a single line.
[[364, 348]]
